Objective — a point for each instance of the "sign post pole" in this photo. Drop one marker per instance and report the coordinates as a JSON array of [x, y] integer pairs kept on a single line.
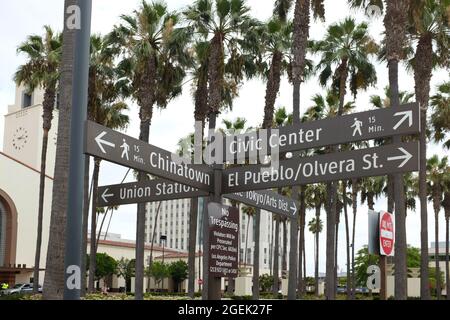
[[383, 278], [72, 273]]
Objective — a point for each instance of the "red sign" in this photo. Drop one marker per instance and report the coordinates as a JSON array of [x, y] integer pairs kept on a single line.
[[386, 233], [200, 281]]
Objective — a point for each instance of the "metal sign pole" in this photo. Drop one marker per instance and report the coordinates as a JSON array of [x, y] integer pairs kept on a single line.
[[72, 274]]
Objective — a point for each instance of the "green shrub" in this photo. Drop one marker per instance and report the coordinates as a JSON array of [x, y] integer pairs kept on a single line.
[[241, 297]]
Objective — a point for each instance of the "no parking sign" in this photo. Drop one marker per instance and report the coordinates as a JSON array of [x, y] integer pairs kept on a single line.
[[386, 226]]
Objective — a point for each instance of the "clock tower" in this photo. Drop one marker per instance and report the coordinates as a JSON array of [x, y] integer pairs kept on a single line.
[[23, 130]]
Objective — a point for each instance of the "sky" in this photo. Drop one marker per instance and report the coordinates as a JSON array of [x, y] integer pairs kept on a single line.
[[20, 18]]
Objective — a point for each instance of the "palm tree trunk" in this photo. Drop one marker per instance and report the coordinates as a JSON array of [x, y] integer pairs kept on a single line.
[[447, 270], [276, 272], [422, 78], [336, 241], [85, 225], [257, 222], [146, 99], [37, 257], [150, 260], [355, 208], [316, 260], [192, 246], [400, 210], [300, 44], [284, 249], [215, 73], [347, 239], [293, 256], [272, 235], [101, 225], [330, 291], [272, 88], [54, 268], [246, 241], [304, 267], [93, 251], [436, 255], [301, 260], [395, 21]]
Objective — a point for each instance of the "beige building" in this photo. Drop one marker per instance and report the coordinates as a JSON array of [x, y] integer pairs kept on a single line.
[[19, 186]]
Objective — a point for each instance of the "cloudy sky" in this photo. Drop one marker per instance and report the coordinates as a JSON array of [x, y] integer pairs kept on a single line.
[[21, 18]]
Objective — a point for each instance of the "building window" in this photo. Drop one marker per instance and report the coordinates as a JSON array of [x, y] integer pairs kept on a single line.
[[27, 99]]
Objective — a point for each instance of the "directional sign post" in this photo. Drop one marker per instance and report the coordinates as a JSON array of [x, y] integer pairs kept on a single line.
[[329, 167], [267, 200], [119, 148], [354, 127], [146, 191]]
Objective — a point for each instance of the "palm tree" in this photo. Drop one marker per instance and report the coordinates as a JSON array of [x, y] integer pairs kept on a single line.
[[276, 41], [345, 200], [249, 212], [298, 73], [41, 70], [385, 102], [346, 49], [54, 275], [315, 198], [436, 168], [105, 108], [355, 189], [224, 23], [153, 61], [280, 118], [441, 113], [429, 28], [325, 107], [315, 226], [111, 116], [371, 189]]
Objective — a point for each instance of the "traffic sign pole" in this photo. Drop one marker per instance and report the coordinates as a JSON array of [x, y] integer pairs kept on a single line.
[[72, 261]]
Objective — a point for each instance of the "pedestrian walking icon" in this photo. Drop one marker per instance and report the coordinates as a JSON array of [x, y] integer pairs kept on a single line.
[[357, 125], [126, 149]]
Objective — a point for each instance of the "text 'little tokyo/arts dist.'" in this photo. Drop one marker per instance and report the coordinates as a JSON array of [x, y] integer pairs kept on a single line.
[[252, 183]]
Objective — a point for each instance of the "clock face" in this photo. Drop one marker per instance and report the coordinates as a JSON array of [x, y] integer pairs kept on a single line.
[[20, 138]]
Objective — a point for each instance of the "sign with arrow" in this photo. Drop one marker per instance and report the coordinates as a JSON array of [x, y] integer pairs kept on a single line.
[[146, 191], [124, 150], [267, 200], [328, 167], [353, 127]]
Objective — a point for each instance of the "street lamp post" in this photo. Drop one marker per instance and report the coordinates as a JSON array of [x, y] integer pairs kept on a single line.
[[73, 244], [163, 239]]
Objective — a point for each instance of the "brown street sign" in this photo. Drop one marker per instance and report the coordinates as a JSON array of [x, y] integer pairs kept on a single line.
[[353, 127], [124, 150], [223, 240], [393, 158], [146, 191], [267, 200]]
